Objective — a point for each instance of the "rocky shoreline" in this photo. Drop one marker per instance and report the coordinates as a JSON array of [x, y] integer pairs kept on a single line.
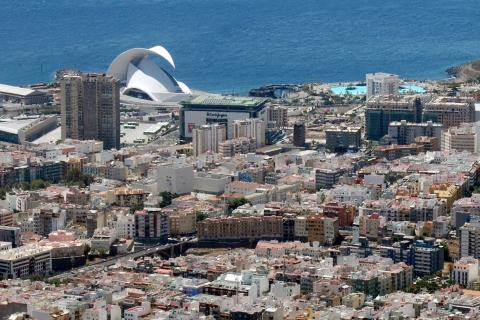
[[465, 72]]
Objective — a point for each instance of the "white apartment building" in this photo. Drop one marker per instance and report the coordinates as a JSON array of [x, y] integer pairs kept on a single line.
[[380, 83], [250, 128], [81, 146], [123, 224], [46, 220], [465, 271], [461, 138], [356, 194], [17, 201], [207, 138]]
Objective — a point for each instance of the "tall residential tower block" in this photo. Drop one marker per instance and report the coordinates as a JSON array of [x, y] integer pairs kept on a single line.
[[90, 108]]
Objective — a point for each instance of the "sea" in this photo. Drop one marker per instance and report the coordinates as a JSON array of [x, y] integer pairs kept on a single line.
[[231, 46]]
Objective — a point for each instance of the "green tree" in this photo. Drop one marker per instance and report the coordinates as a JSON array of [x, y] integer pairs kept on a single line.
[[102, 253], [24, 185], [235, 203], [3, 193], [136, 207], [56, 282], [200, 216], [76, 177], [38, 184], [167, 198], [427, 283]]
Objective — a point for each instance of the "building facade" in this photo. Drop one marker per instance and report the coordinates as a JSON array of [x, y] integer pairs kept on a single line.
[[470, 240], [11, 234], [403, 132], [396, 151], [299, 134], [380, 83], [25, 261], [465, 271], [327, 178], [240, 229], [6, 218], [176, 178], [277, 115], [427, 257], [250, 128], [382, 110], [151, 225], [343, 138], [232, 147], [207, 138], [90, 108], [461, 138], [450, 111], [218, 109]]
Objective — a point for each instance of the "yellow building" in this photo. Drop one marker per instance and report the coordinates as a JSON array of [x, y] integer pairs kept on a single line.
[[447, 192], [354, 300], [315, 228]]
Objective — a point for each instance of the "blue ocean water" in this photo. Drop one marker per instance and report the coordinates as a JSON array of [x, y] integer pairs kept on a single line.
[[234, 45]]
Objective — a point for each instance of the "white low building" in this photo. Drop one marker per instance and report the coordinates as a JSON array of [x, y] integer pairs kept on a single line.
[[285, 290], [210, 183], [176, 178], [135, 313], [5, 246], [17, 201], [103, 239]]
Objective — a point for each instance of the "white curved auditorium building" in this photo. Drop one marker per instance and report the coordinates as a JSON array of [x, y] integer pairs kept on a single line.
[[144, 79]]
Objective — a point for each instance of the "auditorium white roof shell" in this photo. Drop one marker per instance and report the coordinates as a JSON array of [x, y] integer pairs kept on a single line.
[[143, 78]]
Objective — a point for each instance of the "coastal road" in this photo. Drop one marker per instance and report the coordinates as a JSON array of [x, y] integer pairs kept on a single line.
[[354, 110], [150, 250]]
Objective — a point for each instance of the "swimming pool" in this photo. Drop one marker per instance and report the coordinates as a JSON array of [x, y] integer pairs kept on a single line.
[[355, 90], [361, 89], [406, 88]]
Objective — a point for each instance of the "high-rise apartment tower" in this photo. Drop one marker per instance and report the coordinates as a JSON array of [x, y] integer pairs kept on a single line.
[[90, 108]]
